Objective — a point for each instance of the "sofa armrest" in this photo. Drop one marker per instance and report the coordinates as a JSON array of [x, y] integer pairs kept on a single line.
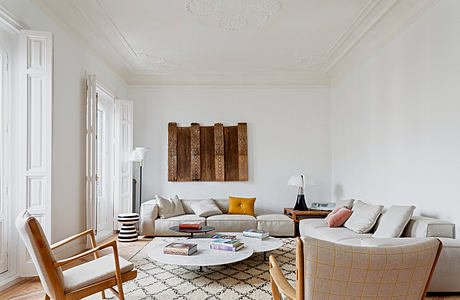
[[429, 227], [149, 213]]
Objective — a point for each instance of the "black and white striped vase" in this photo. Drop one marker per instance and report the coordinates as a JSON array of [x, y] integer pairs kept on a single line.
[[128, 231]]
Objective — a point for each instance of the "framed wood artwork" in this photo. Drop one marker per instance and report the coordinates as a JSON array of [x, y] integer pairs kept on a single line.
[[207, 153]]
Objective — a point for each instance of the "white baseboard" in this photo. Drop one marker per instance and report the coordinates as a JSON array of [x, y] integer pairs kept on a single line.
[[9, 279]]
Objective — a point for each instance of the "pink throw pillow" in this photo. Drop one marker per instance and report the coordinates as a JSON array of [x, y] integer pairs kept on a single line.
[[337, 219], [333, 212]]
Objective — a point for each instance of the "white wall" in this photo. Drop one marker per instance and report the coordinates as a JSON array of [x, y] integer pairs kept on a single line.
[[71, 63], [288, 133], [396, 124]]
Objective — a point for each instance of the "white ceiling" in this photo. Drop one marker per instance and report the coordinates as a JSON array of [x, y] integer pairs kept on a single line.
[[234, 42]]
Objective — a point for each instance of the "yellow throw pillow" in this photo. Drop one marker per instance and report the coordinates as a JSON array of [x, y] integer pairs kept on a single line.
[[241, 206]]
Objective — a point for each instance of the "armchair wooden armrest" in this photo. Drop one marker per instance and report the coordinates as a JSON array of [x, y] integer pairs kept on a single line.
[[279, 282], [74, 237], [112, 244]]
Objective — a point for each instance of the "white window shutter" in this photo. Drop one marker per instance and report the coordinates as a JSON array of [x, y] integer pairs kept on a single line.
[[91, 121], [123, 137], [34, 134]]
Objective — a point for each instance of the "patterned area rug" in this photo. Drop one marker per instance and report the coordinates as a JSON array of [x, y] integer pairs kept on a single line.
[[248, 279]]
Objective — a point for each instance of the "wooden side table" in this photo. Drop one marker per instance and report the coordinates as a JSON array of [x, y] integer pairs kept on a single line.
[[298, 215]]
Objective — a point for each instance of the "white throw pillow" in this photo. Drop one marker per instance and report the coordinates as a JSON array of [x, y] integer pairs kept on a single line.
[[345, 203], [393, 221], [168, 208], [363, 217], [205, 208]]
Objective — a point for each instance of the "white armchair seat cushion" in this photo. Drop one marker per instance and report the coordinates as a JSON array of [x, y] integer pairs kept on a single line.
[[232, 222], [93, 271]]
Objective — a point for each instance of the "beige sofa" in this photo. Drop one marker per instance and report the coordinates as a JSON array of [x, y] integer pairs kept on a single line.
[[446, 276], [152, 225]]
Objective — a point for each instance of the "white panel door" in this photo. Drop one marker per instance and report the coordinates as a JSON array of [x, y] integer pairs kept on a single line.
[[123, 148], [35, 134], [91, 120]]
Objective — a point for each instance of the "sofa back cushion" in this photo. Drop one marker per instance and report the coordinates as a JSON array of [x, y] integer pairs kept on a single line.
[[345, 203], [169, 207], [364, 217], [392, 222], [205, 208], [222, 204]]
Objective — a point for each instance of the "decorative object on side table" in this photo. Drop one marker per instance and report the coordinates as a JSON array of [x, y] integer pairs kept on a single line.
[[298, 181], [297, 216], [138, 155], [128, 232], [323, 206]]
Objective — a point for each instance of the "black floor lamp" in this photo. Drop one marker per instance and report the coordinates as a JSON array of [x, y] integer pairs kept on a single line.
[[138, 155]]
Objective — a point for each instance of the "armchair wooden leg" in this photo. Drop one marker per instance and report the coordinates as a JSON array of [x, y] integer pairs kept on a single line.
[[47, 297]]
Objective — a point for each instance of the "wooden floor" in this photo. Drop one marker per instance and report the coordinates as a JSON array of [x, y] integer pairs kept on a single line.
[[31, 288]]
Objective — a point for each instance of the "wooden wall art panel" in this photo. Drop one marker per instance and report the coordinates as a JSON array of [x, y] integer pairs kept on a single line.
[[208, 153]]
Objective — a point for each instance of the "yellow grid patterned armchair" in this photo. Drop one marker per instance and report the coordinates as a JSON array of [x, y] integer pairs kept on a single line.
[[326, 270]]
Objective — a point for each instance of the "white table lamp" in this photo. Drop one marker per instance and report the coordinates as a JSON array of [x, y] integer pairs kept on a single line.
[[298, 181]]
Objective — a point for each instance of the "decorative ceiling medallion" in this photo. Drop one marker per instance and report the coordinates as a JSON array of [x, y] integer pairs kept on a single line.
[[149, 62], [233, 15]]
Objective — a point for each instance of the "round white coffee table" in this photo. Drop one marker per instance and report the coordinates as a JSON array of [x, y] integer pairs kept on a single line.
[[203, 257], [259, 245]]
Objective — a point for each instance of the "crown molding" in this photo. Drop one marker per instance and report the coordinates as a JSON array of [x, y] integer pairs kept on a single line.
[[10, 20], [396, 19], [376, 24]]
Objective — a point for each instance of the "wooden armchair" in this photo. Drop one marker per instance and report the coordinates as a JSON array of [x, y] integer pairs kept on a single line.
[[80, 281], [325, 270]]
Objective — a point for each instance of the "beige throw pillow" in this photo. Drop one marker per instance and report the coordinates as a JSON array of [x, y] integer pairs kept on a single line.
[[364, 217], [392, 222], [205, 208], [168, 208], [345, 203]]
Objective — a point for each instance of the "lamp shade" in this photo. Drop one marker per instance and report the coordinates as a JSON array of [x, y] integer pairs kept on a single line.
[[296, 180], [139, 154]]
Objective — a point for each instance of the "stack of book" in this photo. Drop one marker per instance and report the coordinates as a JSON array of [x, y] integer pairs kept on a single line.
[[260, 234], [224, 236], [190, 225], [180, 249], [226, 244]]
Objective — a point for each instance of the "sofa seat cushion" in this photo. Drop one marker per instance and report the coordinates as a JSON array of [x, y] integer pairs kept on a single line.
[[232, 222], [276, 224], [318, 228], [162, 225], [93, 271]]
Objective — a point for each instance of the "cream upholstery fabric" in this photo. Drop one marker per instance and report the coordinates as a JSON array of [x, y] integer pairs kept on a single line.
[[222, 204], [149, 212], [335, 271], [392, 222], [93, 271], [162, 225], [276, 224], [345, 203], [232, 222], [363, 217], [445, 277], [429, 227], [205, 208], [318, 228], [169, 207], [23, 224]]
